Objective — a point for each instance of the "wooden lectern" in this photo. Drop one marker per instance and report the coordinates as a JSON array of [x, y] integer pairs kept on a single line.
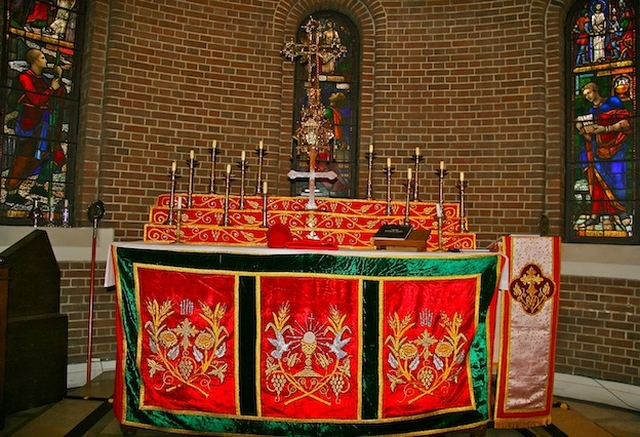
[[33, 333]]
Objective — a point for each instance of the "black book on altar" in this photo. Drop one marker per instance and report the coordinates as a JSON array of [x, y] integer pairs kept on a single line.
[[393, 232]]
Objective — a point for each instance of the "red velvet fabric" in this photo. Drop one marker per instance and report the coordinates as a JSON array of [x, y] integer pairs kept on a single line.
[[187, 345], [310, 355], [427, 329]]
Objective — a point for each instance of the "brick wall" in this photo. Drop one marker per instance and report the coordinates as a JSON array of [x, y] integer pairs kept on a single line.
[[599, 329], [74, 302], [479, 85]]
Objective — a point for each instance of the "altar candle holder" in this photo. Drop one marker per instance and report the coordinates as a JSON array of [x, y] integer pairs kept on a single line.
[[441, 173], [264, 208], [440, 223], [178, 222], [227, 191], [389, 170], [417, 159], [462, 185], [369, 157], [407, 205], [243, 176], [212, 179], [173, 176], [261, 154], [192, 163]]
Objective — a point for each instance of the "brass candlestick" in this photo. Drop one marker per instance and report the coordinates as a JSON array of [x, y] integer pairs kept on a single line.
[[417, 159], [261, 154], [369, 157], [407, 204], [178, 222], [227, 190], [388, 172], [173, 176], [441, 173], [192, 163], [440, 223], [462, 185], [264, 209], [212, 180], [243, 176]]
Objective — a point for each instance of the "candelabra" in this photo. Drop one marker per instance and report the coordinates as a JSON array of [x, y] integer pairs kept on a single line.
[[462, 185], [261, 154], [243, 175], [407, 204], [227, 190], [192, 163], [369, 157], [388, 172], [173, 176], [212, 180], [417, 159]]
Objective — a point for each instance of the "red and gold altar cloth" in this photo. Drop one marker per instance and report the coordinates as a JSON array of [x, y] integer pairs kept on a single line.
[[528, 318], [347, 223], [227, 341]]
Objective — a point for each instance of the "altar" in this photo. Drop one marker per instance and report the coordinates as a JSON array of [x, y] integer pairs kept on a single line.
[[250, 340]]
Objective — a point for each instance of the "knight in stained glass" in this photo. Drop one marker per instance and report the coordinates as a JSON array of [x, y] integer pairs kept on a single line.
[[39, 101]]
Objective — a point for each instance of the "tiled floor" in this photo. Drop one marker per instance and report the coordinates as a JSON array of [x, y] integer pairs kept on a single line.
[[87, 412]]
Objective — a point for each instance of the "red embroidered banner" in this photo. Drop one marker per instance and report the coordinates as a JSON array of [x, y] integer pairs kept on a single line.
[[427, 329], [186, 340], [310, 353]]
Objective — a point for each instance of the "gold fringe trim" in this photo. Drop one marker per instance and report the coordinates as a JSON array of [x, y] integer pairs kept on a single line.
[[522, 422]]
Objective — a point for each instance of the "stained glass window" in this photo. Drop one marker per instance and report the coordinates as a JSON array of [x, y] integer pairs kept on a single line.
[[39, 98], [602, 160], [338, 81]]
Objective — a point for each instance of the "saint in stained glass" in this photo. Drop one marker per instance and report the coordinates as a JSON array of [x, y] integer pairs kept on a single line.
[[39, 102], [602, 161]]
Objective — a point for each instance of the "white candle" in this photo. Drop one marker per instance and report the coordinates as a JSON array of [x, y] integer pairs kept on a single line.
[[264, 187], [243, 156], [409, 173], [441, 165], [370, 148], [179, 202], [388, 162], [261, 145], [461, 176], [215, 144], [192, 154], [228, 168], [173, 167], [417, 151]]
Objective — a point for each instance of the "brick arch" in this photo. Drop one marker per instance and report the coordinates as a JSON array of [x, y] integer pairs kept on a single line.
[[370, 19]]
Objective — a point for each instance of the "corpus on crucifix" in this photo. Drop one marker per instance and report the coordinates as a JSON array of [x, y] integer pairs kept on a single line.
[[314, 132]]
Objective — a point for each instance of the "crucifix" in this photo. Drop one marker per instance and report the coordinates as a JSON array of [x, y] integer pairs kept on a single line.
[[314, 132]]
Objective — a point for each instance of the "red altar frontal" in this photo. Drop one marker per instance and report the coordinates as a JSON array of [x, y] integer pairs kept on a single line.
[[217, 340], [346, 223]]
